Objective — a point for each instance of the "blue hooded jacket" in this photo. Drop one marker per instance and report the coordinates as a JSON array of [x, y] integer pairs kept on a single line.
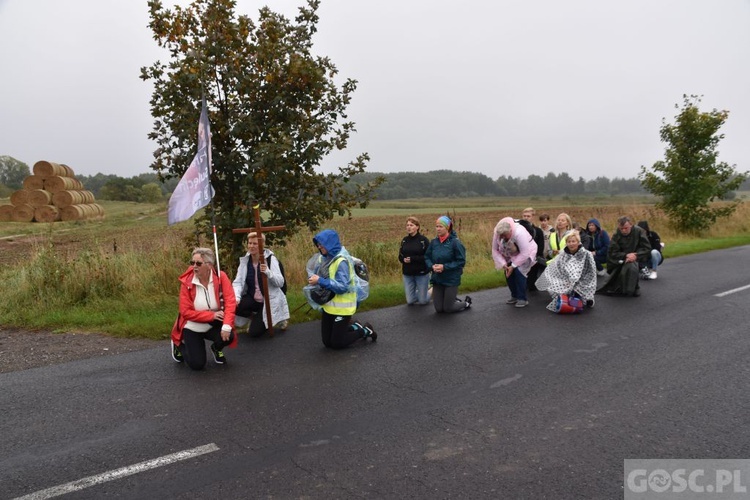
[[342, 282], [600, 241]]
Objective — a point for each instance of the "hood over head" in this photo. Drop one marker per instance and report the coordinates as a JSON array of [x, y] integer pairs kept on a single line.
[[328, 239]]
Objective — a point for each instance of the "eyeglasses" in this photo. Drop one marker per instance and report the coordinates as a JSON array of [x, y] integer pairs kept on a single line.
[[196, 263]]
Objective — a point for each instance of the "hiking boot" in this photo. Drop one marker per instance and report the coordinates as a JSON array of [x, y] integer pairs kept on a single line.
[[370, 332], [219, 357], [468, 302], [522, 303], [511, 300], [176, 353]]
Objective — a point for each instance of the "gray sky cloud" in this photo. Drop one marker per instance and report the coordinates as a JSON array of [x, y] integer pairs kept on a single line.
[[502, 88]]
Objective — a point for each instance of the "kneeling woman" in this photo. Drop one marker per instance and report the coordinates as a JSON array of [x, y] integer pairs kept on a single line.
[[446, 258], [202, 316], [335, 272], [572, 273]]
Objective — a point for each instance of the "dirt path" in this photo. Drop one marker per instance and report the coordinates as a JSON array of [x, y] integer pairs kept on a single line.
[[23, 349]]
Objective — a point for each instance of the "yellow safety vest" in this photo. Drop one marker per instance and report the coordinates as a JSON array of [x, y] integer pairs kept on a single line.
[[346, 303], [553, 242]]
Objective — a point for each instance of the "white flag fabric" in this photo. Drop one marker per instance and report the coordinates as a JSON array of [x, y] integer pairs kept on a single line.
[[194, 190]]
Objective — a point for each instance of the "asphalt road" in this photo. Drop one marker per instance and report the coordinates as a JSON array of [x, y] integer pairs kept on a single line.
[[495, 402]]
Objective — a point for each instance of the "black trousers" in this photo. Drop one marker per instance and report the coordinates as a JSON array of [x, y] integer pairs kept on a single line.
[[338, 332], [194, 345], [249, 308]]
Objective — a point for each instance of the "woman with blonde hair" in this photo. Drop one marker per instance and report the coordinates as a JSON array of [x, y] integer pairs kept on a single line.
[[572, 273], [563, 227]]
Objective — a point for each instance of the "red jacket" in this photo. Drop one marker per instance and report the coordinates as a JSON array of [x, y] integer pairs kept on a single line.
[[187, 307]]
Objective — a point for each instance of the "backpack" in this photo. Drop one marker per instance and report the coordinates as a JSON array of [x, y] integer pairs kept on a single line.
[[528, 225], [281, 268], [362, 279]]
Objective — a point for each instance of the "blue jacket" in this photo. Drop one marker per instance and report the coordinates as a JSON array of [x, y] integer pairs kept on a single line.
[[341, 283], [599, 241], [452, 254]]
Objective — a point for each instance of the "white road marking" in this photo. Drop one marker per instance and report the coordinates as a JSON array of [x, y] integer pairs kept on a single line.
[[729, 292], [120, 473], [506, 381]]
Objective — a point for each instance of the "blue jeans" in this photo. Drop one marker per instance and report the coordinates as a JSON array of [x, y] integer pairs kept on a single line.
[[655, 259], [416, 289], [517, 284]]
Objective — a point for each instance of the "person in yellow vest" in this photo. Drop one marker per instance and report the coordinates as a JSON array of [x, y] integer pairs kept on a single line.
[[335, 273], [563, 226]]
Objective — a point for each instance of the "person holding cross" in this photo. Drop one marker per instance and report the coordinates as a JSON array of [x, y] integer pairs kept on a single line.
[[248, 289], [335, 272]]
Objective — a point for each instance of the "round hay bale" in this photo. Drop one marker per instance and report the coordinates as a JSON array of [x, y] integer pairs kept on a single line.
[[39, 197], [63, 199], [47, 213], [72, 212], [20, 197], [50, 169], [58, 183], [92, 211], [6, 213], [33, 182], [23, 213]]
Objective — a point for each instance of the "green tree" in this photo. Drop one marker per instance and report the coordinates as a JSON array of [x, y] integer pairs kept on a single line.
[[151, 193], [13, 172], [274, 108], [690, 178]]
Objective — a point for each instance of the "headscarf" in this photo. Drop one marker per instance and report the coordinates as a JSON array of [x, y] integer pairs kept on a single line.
[[445, 221]]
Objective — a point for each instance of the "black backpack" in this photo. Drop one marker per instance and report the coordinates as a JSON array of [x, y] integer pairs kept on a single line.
[[528, 225], [281, 268]]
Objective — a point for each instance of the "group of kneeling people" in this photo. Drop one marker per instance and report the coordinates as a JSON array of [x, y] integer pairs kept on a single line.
[[570, 274], [211, 306], [565, 261], [560, 261]]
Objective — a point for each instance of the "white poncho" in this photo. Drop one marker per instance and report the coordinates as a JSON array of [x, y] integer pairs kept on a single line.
[[569, 273]]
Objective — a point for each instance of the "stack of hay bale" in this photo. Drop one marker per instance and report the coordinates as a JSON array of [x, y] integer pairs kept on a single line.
[[51, 194]]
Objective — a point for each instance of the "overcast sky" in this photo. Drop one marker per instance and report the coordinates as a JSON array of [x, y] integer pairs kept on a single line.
[[493, 86]]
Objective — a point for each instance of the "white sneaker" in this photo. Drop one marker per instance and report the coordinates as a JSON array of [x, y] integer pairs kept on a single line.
[[602, 272], [652, 276]]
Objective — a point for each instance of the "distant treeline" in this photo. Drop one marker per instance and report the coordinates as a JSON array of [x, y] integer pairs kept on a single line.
[[401, 185], [143, 187], [449, 183]]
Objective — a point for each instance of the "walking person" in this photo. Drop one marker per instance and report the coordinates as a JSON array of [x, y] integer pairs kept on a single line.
[[335, 273], [201, 315], [446, 257], [248, 289], [415, 272], [514, 251]]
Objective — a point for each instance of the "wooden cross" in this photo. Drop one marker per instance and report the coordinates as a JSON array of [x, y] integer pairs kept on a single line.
[[258, 229]]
